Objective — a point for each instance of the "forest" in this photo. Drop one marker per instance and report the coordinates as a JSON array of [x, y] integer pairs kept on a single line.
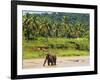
[[65, 34]]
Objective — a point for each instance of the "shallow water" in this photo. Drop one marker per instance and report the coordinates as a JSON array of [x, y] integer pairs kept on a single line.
[[61, 62]]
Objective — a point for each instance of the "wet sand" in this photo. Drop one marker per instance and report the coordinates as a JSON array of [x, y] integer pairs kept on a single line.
[[61, 62]]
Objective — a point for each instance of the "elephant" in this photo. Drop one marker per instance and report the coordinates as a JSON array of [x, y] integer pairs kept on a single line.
[[50, 59]]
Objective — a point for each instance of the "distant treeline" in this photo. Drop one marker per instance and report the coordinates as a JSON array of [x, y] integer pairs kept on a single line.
[[55, 25]]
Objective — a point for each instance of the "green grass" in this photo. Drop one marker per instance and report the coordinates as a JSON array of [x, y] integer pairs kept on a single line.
[[59, 52], [32, 54], [72, 53], [59, 46]]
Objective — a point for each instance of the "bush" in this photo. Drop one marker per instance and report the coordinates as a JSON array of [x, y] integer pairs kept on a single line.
[[60, 46]]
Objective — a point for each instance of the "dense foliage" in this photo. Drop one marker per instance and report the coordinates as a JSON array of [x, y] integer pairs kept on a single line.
[[55, 24], [65, 34]]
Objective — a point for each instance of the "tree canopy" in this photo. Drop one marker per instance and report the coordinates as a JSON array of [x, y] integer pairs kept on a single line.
[[55, 24]]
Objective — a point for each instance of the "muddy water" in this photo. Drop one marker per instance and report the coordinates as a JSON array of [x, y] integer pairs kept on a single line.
[[61, 62]]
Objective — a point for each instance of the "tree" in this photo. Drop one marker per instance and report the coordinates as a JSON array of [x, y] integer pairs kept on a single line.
[[54, 24]]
